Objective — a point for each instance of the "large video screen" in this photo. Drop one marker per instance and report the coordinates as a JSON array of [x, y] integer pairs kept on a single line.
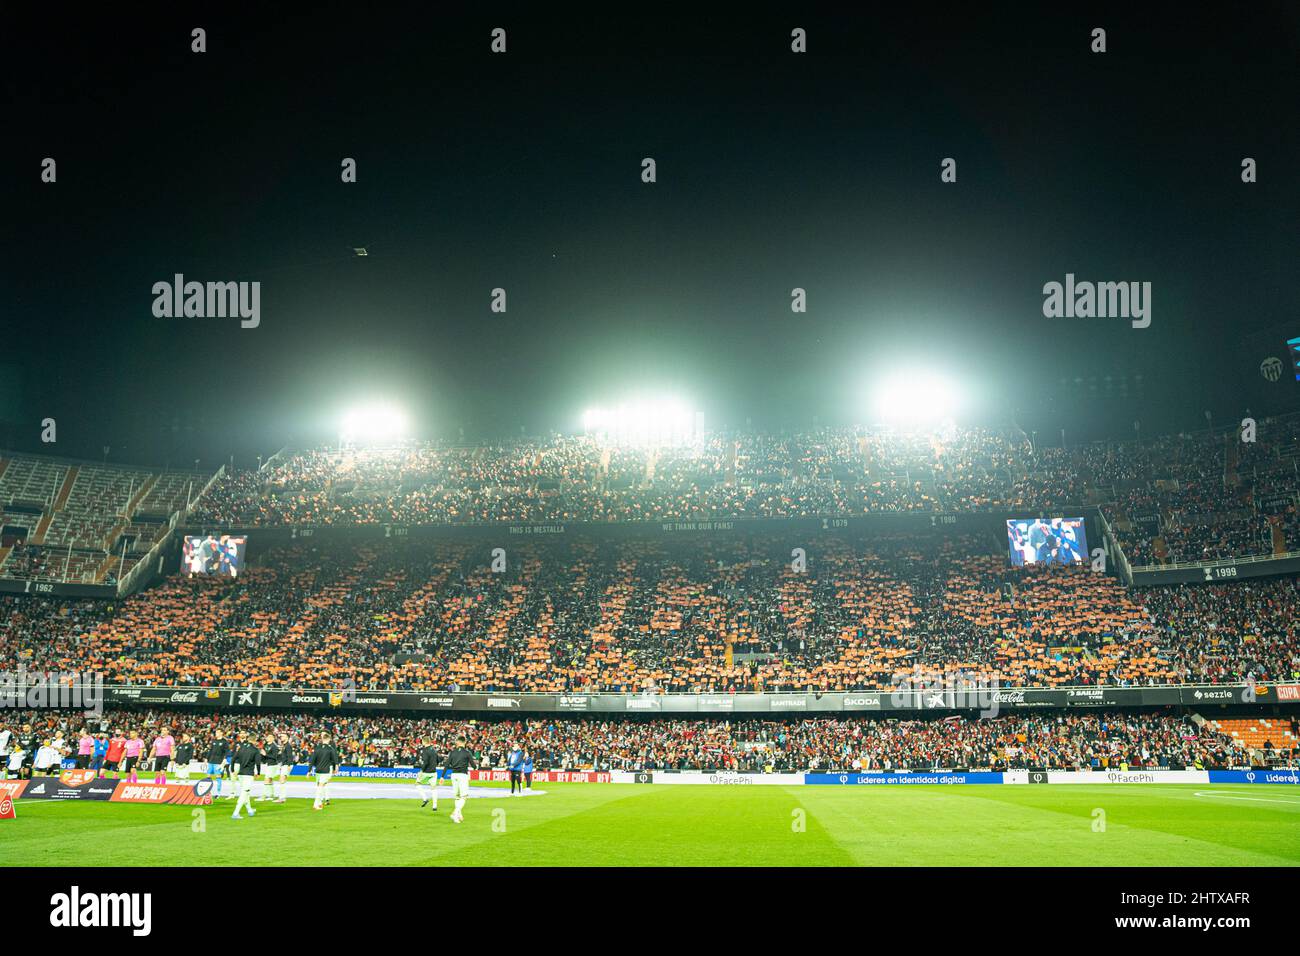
[[1047, 541], [222, 555]]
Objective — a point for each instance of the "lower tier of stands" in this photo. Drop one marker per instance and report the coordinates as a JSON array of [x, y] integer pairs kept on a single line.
[[721, 616], [1106, 740]]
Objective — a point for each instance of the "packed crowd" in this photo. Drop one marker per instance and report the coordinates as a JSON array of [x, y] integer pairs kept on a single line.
[[1204, 492], [1228, 632], [721, 615], [1040, 741]]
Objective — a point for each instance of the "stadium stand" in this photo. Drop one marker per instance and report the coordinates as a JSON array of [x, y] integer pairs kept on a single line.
[[725, 615], [1176, 499], [1184, 498], [1097, 741], [1258, 733], [70, 521]]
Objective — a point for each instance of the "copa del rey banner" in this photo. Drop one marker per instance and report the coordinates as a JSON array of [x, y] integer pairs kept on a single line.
[[548, 776], [11, 789], [198, 793], [85, 785]]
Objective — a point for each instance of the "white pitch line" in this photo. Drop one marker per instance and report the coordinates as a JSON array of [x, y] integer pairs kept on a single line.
[[1228, 794]]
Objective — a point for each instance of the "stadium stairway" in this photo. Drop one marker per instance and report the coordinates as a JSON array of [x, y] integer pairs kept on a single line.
[[70, 479], [105, 565], [112, 557], [1159, 547], [42, 526], [129, 512], [61, 499], [1230, 459]]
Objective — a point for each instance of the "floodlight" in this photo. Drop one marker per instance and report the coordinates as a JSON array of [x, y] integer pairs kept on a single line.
[[655, 422], [915, 397], [376, 422]]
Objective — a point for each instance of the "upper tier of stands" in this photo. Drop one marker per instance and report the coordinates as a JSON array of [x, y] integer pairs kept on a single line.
[[1174, 499], [68, 521], [1181, 498]]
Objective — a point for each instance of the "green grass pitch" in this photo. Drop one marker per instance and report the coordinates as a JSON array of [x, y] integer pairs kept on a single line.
[[658, 825]]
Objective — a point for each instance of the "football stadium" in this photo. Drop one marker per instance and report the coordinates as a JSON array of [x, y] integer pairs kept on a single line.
[[761, 630], [653, 444]]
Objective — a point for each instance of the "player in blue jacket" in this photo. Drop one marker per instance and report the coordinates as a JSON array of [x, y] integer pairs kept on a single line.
[[526, 765], [515, 764], [101, 748]]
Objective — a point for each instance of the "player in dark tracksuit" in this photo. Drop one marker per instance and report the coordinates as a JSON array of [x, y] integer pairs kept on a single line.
[[248, 758], [288, 755], [324, 761], [29, 743], [270, 766], [426, 773], [458, 763], [184, 755]]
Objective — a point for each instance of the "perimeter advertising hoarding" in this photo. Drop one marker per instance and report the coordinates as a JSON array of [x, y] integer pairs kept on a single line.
[[1255, 776], [85, 785], [12, 789], [903, 778], [913, 702], [198, 793], [70, 785], [546, 776], [724, 778], [502, 776]]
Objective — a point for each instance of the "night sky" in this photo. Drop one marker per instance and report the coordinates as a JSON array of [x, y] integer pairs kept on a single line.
[[523, 171]]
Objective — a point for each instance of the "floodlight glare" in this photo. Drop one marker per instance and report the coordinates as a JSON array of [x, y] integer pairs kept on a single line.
[[916, 397], [378, 422], [668, 421]]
